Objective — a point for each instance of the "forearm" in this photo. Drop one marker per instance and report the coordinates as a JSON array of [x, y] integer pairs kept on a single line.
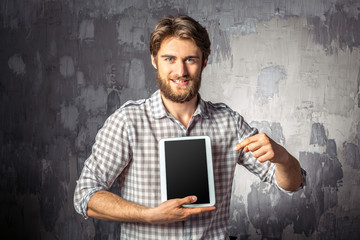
[[109, 206], [288, 174]]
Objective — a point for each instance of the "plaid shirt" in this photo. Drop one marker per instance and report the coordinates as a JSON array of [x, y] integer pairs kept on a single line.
[[126, 150]]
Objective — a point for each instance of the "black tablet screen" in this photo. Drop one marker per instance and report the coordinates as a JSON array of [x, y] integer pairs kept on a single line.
[[186, 169]]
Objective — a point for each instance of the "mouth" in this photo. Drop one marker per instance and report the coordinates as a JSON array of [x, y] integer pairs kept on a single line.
[[180, 82]]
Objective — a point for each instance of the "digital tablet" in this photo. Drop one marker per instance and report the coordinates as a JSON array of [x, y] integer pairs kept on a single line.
[[186, 169]]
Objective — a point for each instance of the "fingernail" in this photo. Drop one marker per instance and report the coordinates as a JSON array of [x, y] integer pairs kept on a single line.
[[194, 198]]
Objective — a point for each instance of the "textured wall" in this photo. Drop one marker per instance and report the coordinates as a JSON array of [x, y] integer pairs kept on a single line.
[[290, 67]]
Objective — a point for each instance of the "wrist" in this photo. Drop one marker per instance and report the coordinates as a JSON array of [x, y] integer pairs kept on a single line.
[[287, 163], [285, 159], [148, 215]]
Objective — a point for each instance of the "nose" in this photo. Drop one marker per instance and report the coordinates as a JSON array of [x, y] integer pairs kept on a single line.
[[181, 69]]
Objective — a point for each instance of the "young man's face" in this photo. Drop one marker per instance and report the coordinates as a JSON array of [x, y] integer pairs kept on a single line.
[[179, 67]]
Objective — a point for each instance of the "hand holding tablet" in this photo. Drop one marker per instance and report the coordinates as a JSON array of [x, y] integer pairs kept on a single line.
[[186, 170], [173, 211]]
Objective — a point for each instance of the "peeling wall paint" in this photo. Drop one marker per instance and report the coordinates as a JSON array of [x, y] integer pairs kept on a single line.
[[290, 67], [268, 82]]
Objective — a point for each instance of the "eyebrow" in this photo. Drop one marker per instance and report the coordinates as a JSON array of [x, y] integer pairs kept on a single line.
[[165, 56]]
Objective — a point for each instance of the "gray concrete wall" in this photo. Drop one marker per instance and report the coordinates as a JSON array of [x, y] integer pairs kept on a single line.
[[290, 67]]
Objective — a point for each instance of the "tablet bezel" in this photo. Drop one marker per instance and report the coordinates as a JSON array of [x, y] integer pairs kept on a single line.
[[209, 164]]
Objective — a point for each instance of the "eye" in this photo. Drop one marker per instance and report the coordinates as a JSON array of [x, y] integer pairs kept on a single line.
[[169, 59], [191, 60]]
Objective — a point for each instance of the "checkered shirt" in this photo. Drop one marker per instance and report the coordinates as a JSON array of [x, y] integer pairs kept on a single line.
[[126, 150]]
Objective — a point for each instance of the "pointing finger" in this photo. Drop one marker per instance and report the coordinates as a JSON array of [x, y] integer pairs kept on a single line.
[[244, 143]]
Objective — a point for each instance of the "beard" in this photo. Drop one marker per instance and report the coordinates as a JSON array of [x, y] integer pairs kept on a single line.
[[189, 92]]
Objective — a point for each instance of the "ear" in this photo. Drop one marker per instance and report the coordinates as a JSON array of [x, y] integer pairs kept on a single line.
[[153, 61], [205, 62]]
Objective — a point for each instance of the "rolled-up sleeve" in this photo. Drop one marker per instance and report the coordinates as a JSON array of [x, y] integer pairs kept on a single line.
[[110, 155], [266, 170]]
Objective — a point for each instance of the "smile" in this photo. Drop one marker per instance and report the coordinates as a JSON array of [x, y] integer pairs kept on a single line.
[[180, 82]]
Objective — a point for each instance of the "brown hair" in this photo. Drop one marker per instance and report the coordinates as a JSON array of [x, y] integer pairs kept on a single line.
[[183, 27]]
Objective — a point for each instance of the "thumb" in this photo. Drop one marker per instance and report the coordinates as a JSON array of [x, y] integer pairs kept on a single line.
[[188, 200]]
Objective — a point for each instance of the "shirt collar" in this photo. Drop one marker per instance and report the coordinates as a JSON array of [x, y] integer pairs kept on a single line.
[[157, 106], [201, 108], [159, 111]]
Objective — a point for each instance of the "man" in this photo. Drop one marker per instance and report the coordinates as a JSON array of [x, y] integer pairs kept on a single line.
[[126, 148]]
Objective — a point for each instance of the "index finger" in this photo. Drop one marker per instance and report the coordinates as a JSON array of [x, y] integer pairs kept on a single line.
[[199, 210], [245, 142]]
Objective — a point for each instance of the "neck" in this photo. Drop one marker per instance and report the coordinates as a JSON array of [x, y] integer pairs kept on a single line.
[[181, 111]]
